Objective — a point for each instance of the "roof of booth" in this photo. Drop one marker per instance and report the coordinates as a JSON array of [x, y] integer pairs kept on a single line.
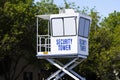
[[64, 13], [46, 17], [61, 12]]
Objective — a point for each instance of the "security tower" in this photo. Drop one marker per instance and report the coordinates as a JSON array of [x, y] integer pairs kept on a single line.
[[67, 37]]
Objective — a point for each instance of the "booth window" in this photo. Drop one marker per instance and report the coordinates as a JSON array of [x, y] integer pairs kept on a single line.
[[64, 26], [84, 25], [57, 26]]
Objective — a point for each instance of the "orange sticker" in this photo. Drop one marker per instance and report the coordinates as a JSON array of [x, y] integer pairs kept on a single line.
[[45, 52]]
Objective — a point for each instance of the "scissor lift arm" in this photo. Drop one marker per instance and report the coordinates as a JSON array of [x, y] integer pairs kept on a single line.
[[65, 69]]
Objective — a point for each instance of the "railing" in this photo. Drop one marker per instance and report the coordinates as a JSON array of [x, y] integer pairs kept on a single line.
[[43, 43]]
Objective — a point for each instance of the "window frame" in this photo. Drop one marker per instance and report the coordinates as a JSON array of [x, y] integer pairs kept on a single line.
[[85, 20], [75, 17]]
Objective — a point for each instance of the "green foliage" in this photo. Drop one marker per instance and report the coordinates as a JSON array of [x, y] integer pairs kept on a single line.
[[46, 8], [16, 41], [112, 21], [95, 20], [71, 5], [43, 8], [104, 48]]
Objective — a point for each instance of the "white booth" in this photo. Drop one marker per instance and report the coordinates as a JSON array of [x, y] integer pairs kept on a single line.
[[67, 37]]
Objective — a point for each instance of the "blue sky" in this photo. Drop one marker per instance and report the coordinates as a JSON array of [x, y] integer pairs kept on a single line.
[[104, 7]]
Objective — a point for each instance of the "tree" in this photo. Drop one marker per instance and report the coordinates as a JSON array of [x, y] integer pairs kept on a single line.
[[18, 35], [112, 24], [17, 28], [104, 49]]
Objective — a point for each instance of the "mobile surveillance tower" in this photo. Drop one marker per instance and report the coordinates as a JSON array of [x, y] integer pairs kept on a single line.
[[67, 37]]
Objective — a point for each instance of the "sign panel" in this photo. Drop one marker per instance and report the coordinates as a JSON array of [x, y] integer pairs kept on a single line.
[[83, 46], [63, 45]]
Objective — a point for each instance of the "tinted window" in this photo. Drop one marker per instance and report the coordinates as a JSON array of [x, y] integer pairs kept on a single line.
[[84, 25]]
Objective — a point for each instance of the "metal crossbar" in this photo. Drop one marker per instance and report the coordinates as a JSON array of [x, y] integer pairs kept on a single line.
[[70, 69], [65, 69]]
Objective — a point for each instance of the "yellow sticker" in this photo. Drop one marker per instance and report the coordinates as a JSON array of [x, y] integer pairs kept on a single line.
[[45, 52]]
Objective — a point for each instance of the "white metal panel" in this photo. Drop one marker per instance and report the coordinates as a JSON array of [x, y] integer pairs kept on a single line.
[[70, 26], [64, 45]]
